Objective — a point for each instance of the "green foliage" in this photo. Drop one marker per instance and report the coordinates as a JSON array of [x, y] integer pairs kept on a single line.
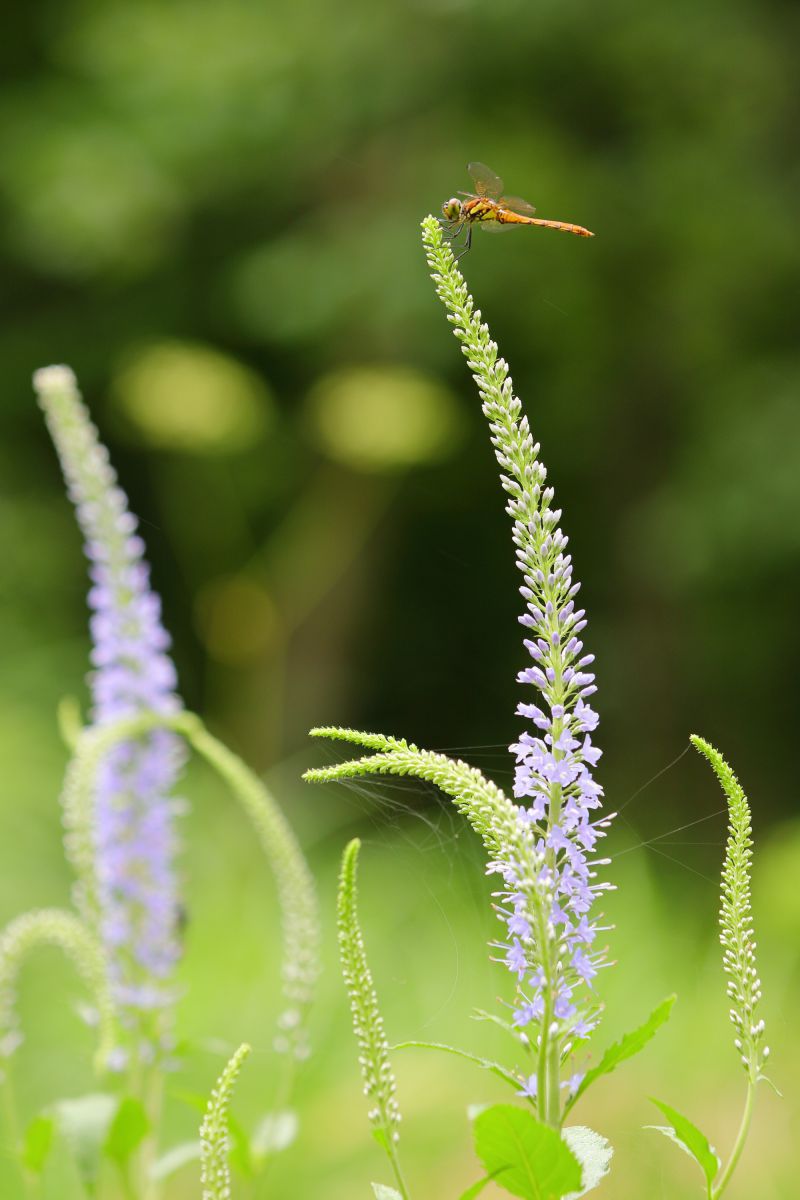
[[690, 1139], [128, 1130], [628, 1045], [85, 1123], [37, 1143], [215, 1172], [523, 1155]]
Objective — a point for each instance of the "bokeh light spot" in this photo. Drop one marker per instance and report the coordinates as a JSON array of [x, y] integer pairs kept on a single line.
[[237, 619], [190, 397], [384, 418]]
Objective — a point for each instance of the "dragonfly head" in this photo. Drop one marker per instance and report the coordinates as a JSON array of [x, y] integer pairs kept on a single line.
[[452, 209]]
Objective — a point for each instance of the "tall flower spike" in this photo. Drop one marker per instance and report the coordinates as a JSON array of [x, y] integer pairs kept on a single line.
[[134, 903], [554, 784], [736, 920]]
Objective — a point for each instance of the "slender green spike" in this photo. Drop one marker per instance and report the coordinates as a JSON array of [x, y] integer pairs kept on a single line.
[[736, 921], [380, 1085], [215, 1169]]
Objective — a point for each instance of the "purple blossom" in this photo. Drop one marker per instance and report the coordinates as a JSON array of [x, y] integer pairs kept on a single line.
[[554, 785], [135, 841]]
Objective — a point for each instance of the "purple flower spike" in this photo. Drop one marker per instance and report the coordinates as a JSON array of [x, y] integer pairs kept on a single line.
[[134, 842], [554, 786]]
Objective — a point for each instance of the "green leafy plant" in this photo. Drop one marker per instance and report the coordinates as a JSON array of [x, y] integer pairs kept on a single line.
[[541, 842]]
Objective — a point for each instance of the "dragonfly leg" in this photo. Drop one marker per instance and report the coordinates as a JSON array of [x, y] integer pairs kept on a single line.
[[466, 246]]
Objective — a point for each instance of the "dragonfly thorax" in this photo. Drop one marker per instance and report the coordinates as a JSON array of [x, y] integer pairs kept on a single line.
[[452, 209]]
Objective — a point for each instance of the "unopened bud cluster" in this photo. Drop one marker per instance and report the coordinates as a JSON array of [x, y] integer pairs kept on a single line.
[[380, 1086], [215, 1171], [736, 920]]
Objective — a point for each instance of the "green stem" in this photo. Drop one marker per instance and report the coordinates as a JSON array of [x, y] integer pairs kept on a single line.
[[738, 1146], [12, 1121], [153, 1100], [398, 1174], [554, 1085]]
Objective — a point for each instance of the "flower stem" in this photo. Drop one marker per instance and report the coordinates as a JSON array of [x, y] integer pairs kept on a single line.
[[12, 1122], [738, 1146]]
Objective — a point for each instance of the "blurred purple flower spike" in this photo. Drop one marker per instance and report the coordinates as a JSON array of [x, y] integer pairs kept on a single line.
[[135, 841]]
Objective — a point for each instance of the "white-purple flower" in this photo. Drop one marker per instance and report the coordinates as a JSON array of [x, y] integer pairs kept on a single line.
[[554, 786], [134, 835], [548, 866]]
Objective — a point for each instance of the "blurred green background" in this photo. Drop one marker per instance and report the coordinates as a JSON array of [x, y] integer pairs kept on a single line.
[[211, 210]]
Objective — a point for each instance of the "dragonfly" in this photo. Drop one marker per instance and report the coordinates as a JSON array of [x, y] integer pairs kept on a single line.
[[491, 210]]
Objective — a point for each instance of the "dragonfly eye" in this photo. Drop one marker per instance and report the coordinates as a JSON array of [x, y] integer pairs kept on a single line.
[[452, 209]]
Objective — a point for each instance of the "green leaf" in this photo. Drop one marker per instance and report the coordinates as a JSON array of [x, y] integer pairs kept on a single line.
[[382, 1192], [239, 1149], [504, 1073], [524, 1156], [594, 1154], [128, 1130], [37, 1143], [193, 1100], [626, 1047], [84, 1123], [273, 1133], [476, 1188], [690, 1139], [172, 1161], [480, 1014]]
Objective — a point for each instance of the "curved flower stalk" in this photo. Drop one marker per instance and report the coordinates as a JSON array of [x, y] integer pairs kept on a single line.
[[543, 846], [295, 886], [215, 1171], [132, 897], [54, 927]]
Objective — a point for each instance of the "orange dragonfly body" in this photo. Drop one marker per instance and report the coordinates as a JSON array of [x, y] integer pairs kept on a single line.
[[491, 210]]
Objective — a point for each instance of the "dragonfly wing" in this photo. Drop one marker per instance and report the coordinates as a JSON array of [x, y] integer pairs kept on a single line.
[[493, 226], [516, 205], [485, 180]]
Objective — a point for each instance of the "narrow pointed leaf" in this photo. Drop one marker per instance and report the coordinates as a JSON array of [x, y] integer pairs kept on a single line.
[[628, 1045], [382, 1192], [690, 1139], [476, 1188], [504, 1073], [37, 1143], [172, 1161], [128, 1129]]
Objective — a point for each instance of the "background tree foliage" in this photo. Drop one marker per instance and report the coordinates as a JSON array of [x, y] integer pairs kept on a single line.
[[211, 211]]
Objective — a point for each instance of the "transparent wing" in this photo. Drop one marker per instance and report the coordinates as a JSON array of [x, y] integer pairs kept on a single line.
[[493, 226], [517, 205], [485, 180]]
